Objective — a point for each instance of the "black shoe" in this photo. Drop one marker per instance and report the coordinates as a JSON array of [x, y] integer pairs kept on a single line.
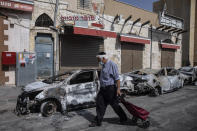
[[123, 122], [94, 124], [134, 120]]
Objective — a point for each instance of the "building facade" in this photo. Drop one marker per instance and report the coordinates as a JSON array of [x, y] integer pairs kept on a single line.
[[152, 54], [15, 19], [70, 35], [185, 9], [86, 27]]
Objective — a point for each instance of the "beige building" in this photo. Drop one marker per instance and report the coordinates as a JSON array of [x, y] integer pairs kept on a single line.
[[15, 19], [86, 27], [185, 9], [159, 56]]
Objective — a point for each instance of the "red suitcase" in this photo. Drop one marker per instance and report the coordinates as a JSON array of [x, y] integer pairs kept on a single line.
[[136, 111]]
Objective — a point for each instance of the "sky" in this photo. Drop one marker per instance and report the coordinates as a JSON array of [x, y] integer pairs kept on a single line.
[[144, 4]]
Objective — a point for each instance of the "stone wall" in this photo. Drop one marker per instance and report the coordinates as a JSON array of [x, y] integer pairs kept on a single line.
[[3, 47], [112, 46]]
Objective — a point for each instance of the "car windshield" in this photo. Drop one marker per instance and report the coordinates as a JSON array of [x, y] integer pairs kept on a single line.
[[145, 71], [57, 78], [172, 72]]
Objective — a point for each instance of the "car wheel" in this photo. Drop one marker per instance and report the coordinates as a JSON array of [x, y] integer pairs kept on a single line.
[[48, 108], [155, 92]]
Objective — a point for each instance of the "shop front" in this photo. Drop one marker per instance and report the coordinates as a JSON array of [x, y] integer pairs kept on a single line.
[[79, 47], [132, 48]]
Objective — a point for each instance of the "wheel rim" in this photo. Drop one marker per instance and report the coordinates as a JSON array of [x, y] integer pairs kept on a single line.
[[50, 108]]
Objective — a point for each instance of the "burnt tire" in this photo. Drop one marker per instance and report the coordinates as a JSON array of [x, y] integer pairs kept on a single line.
[[156, 92], [48, 108]]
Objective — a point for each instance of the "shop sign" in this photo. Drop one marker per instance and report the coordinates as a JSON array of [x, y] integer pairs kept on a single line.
[[172, 21], [16, 5]]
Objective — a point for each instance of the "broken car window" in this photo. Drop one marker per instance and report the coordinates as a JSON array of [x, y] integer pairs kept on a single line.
[[172, 72], [57, 78], [160, 73], [82, 78]]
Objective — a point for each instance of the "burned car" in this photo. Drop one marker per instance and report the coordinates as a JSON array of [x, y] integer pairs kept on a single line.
[[62, 93], [189, 74], [153, 82], [170, 79], [141, 82]]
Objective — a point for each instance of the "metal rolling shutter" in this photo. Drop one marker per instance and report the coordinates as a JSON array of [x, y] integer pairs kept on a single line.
[[80, 51], [167, 57], [131, 56]]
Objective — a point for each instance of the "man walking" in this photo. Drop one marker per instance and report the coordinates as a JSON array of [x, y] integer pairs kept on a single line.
[[109, 90]]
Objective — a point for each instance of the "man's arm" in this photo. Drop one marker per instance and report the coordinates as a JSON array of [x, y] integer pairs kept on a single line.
[[116, 78], [118, 87]]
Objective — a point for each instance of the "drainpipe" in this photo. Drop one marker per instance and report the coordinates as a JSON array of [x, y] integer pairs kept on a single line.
[[151, 46], [57, 37], [192, 32]]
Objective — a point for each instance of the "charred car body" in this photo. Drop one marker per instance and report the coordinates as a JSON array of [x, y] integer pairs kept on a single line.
[[141, 82], [78, 89], [170, 79], [189, 74], [154, 82], [64, 92]]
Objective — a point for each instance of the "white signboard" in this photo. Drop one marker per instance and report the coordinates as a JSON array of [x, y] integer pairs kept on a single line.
[[171, 21]]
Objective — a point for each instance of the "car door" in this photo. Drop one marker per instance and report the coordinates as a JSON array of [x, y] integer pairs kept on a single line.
[[174, 78], [81, 88], [164, 80]]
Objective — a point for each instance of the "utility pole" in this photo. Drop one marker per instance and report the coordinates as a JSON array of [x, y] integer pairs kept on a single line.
[[57, 37], [151, 44], [56, 11]]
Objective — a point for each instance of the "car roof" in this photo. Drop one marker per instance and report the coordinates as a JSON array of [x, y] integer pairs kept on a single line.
[[148, 71]]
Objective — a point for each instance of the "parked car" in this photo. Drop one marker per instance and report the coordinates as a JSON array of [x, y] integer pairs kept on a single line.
[[189, 74], [142, 82], [170, 79], [154, 82], [64, 92]]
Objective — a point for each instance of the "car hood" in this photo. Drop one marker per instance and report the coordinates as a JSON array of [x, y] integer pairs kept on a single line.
[[38, 85]]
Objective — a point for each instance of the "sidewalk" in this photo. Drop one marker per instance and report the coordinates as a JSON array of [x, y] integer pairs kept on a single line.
[[8, 97]]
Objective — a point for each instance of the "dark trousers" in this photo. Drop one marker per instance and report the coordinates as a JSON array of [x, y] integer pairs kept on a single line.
[[106, 96]]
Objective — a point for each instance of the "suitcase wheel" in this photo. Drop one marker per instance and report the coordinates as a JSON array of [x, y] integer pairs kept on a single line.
[[146, 124]]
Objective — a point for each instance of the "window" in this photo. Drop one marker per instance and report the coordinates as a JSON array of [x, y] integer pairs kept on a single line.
[[44, 21], [83, 4], [82, 78], [161, 73]]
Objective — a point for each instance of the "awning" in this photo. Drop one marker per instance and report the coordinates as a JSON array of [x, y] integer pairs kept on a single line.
[[18, 5], [133, 39], [94, 32], [170, 46]]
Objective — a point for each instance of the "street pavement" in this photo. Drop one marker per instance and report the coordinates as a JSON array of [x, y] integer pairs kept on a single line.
[[176, 111]]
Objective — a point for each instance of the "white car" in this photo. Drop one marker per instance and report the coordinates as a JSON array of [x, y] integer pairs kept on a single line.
[[169, 79], [64, 92]]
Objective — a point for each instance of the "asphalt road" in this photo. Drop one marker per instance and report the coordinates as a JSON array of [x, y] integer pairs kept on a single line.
[[176, 111]]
